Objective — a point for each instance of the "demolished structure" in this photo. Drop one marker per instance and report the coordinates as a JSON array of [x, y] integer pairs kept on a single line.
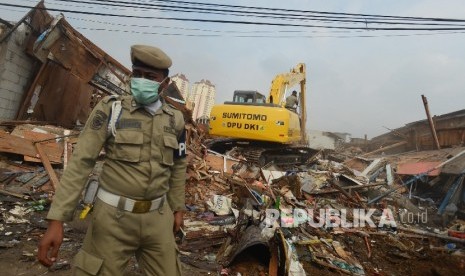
[[52, 73], [394, 206]]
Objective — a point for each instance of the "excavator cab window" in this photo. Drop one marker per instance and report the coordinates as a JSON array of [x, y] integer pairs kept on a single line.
[[239, 99], [248, 97]]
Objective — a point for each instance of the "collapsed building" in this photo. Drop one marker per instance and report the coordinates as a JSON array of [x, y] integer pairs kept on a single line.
[[242, 218], [52, 73]]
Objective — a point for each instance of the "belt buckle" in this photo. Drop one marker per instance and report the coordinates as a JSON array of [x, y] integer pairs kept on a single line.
[[141, 206]]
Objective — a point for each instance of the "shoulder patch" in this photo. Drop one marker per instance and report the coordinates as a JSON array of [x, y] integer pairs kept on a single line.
[[98, 120]]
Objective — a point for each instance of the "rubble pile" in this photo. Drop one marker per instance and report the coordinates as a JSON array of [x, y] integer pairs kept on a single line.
[[360, 215], [388, 206]]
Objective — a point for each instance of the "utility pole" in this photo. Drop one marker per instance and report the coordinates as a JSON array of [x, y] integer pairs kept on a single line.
[[431, 123]]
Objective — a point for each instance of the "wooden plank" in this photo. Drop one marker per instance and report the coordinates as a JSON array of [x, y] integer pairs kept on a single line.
[[54, 150], [22, 122], [48, 167], [371, 167], [357, 187], [22, 111], [4, 192], [429, 234], [386, 148], [352, 179], [14, 144], [344, 192], [389, 176], [67, 148]]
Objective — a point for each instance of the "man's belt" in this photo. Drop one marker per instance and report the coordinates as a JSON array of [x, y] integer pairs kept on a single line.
[[128, 204]]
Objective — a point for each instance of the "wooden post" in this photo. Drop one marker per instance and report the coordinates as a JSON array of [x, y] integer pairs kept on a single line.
[[365, 143], [66, 148], [47, 165], [431, 123], [22, 111]]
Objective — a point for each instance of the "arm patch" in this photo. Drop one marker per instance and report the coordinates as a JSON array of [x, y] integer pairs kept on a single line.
[[181, 152], [98, 120]]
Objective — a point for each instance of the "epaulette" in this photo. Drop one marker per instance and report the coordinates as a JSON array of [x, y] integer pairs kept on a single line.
[[111, 98], [168, 108], [172, 106]]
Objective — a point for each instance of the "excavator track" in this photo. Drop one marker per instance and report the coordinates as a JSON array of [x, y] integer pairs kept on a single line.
[[263, 153]]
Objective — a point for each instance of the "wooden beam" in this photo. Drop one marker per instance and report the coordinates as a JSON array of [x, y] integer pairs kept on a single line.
[[47, 165], [386, 148], [431, 123], [357, 187], [14, 194], [344, 192], [22, 111], [428, 234]]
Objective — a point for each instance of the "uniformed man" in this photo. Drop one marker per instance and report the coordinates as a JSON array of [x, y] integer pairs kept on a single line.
[[292, 101], [140, 201]]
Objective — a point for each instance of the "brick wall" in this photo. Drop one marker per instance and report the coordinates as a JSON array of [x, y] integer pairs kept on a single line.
[[16, 72]]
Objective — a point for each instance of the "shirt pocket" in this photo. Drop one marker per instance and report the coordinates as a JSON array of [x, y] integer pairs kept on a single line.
[[171, 144], [127, 146]]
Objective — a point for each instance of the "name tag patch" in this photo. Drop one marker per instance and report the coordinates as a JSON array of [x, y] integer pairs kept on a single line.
[[128, 123]]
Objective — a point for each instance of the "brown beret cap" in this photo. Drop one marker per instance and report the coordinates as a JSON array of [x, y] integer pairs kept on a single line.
[[150, 56]]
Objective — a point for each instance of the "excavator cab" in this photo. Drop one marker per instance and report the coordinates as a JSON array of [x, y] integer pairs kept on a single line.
[[248, 97]]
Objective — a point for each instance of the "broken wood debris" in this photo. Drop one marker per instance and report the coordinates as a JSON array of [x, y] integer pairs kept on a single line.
[[248, 193], [218, 239]]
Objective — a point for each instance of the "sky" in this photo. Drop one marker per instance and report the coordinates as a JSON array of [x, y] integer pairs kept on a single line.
[[359, 82]]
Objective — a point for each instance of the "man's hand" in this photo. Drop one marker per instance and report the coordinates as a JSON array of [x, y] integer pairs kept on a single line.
[[50, 243], [178, 221]]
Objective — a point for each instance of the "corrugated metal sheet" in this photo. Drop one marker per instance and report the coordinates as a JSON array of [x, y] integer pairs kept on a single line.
[[418, 168]]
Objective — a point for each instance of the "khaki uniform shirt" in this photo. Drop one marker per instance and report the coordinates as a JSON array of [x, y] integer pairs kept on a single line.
[[291, 101], [145, 160]]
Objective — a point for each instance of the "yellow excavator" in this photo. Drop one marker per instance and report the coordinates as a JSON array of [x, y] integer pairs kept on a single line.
[[261, 128]]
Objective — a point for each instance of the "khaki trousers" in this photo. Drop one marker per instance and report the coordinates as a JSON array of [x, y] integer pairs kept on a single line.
[[114, 236]]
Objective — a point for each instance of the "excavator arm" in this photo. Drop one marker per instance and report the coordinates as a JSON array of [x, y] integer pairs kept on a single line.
[[282, 82]]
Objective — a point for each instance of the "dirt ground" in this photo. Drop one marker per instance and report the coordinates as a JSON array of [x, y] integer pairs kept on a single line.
[[18, 250], [400, 256], [405, 256]]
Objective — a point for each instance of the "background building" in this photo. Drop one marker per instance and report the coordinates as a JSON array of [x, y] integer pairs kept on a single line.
[[182, 83], [202, 97]]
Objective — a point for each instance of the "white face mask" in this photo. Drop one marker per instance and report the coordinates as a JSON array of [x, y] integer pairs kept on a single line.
[[144, 91]]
